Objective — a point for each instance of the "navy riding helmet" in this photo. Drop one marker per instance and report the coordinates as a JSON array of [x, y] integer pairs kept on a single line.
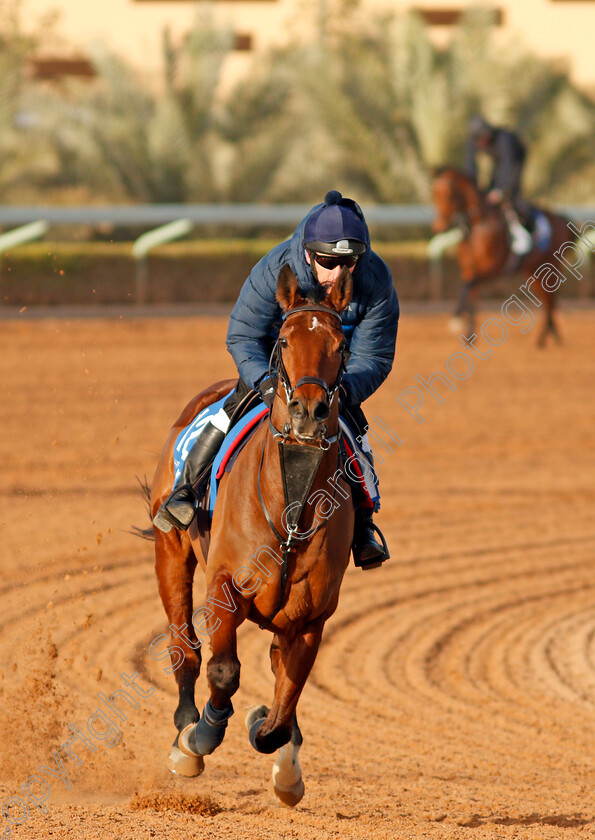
[[337, 228], [479, 127]]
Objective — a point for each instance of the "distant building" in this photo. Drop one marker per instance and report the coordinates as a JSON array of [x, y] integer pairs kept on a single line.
[[552, 28]]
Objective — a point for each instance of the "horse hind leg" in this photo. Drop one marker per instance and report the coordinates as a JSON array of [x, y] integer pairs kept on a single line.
[[463, 319], [553, 328], [174, 565], [549, 327], [456, 325]]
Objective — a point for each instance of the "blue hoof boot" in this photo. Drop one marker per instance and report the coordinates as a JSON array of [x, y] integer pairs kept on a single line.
[[208, 733], [253, 732]]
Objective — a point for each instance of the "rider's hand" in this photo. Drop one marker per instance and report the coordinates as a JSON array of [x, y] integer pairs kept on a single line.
[[268, 389], [495, 196], [343, 398]]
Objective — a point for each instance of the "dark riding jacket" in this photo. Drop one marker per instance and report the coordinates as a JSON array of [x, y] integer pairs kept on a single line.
[[369, 322], [508, 153]]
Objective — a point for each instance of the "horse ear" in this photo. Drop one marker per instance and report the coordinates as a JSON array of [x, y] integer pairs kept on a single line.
[[287, 287], [340, 295]]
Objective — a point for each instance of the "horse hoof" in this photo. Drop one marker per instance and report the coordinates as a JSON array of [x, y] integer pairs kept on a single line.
[[185, 765], [456, 326], [289, 796], [255, 713]]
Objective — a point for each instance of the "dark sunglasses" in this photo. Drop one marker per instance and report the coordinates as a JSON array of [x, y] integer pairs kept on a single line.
[[332, 262]]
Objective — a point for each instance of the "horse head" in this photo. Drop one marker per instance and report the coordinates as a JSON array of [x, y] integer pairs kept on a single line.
[[310, 357], [456, 198]]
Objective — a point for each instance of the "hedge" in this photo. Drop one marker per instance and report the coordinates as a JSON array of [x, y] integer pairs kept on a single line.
[[210, 271]]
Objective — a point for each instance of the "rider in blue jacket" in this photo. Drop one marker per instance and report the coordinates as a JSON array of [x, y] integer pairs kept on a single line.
[[332, 235], [508, 154]]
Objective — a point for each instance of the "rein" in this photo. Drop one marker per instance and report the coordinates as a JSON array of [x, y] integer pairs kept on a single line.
[[276, 363], [285, 544], [313, 454]]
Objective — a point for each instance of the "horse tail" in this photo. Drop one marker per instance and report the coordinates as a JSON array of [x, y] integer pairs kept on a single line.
[[145, 490]]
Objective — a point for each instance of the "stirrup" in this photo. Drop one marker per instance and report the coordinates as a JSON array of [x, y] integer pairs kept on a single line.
[[165, 520], [374, 562]]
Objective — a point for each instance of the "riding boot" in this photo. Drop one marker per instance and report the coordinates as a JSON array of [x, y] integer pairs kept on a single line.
[[178, 509], [368, 553]]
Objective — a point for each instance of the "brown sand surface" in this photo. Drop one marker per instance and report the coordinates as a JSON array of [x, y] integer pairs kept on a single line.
[[454, 693]]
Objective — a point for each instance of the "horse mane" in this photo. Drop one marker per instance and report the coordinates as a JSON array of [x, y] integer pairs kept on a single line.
[[454, 170]]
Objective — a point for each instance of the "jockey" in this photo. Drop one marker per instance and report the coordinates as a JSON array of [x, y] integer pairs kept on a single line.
[[332, 235], [508, 154]]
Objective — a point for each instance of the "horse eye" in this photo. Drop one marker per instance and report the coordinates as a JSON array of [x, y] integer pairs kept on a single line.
[[283, 342], [342, 347]]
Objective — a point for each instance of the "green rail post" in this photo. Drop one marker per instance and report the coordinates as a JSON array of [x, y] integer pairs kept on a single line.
[[20, 236], [149, 240], [436, 247]]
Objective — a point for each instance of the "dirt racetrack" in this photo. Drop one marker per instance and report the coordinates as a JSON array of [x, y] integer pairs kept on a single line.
[[454, 694]]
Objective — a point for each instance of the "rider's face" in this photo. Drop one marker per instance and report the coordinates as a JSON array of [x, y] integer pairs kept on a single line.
[[327, 277]]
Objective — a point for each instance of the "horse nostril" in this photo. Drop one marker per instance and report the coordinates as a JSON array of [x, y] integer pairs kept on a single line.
[[296, 410], [321, 411]]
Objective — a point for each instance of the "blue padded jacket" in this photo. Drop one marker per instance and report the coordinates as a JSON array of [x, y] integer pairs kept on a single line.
[[369, 322]]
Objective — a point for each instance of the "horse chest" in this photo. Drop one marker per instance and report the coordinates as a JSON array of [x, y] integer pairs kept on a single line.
[[300, 602]]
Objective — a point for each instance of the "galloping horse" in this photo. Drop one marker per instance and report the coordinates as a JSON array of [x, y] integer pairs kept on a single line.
[[280, 572], [485, 252]]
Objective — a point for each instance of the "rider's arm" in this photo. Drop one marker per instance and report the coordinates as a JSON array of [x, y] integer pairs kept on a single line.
[[252, 324], [511, 157], [469, 162], [372, 346]]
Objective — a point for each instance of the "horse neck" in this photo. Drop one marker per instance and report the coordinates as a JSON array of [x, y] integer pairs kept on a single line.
[[472, 198]]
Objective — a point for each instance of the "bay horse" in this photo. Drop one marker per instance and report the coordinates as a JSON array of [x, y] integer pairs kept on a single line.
[[283, 574], [485, 253]]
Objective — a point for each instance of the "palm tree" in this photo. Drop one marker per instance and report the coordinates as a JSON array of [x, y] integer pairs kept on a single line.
[[126, 140], [369, 104], [398, 104], [23, 161]]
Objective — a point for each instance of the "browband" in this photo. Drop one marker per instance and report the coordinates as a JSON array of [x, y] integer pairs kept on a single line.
[[312, 308]]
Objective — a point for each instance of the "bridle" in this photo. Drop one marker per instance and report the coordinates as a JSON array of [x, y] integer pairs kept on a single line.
[[276, 364], [462, 214]]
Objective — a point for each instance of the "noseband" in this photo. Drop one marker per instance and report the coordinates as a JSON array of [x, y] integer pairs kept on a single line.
[[302, 481], [276, 362]]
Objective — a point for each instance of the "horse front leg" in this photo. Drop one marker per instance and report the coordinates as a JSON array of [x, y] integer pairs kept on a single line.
[[464, 314], [223, 670], [175, 564], [277, 729]]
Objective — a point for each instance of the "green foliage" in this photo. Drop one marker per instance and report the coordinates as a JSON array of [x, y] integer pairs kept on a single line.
[[22, 160], [368, 104], [125, 141]]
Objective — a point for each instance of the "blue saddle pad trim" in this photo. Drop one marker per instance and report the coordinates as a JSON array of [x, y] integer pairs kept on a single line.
[[187, 436], [230, 440], [544, 241]]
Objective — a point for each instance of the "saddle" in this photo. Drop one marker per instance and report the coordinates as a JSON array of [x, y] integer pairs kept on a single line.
[[521, 240], [248, 416]]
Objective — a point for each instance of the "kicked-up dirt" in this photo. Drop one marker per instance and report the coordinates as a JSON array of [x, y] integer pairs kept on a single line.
[[454, 692]]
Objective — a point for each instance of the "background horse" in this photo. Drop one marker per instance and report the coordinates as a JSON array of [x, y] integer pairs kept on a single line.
[[484, 252], [259, 565]]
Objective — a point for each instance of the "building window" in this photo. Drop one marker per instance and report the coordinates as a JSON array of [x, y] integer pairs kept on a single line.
[[450, 17], [58, 68], [242, 42]]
